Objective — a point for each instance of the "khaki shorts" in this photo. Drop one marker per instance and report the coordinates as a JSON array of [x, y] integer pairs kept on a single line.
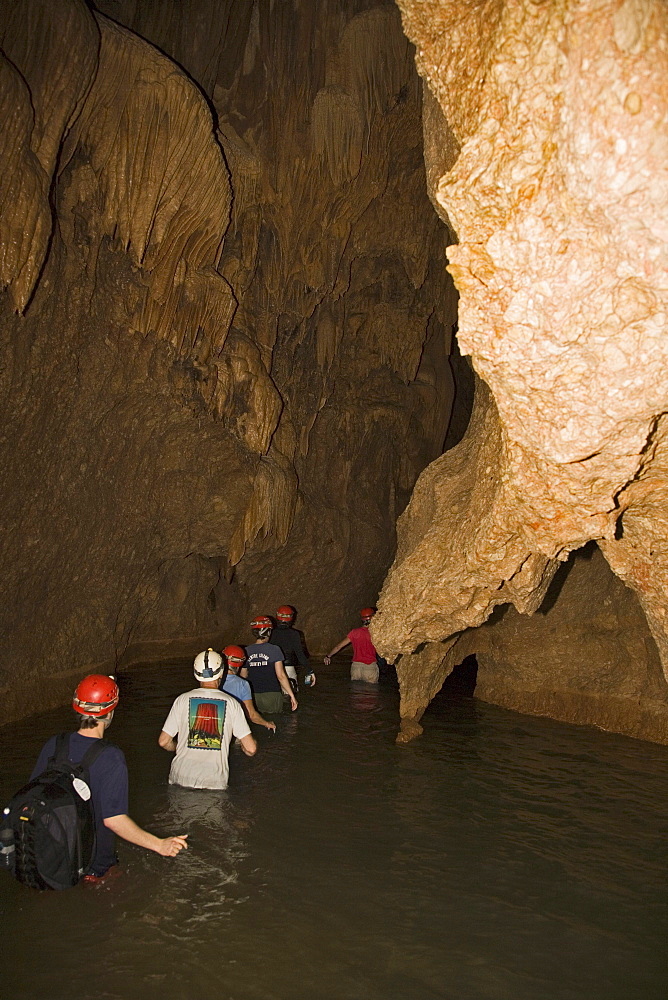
[[364, 672], [270, 702]]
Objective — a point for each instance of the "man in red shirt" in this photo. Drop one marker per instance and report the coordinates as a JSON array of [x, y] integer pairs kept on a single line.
[[364, 666]]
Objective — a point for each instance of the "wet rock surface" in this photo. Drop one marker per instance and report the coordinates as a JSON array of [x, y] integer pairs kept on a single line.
[[545, 145]]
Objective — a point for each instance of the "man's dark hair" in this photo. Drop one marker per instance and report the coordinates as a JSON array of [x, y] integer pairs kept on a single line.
[[89, 721]]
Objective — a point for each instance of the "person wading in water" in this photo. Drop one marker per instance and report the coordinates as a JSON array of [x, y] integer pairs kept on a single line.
[[264, 669], [239, 688], [95, 701], [289, 640], [200, 727], [365, 664]]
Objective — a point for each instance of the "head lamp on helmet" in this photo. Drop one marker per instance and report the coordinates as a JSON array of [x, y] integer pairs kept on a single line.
[[235, 656], [262, 625], [96, 695], [208, 666]]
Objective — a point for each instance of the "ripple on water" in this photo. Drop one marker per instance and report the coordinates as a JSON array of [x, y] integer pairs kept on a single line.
[[498, 857]]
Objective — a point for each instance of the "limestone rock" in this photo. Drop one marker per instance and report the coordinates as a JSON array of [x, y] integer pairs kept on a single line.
[[337, 264], [548, 156], [586, 656]]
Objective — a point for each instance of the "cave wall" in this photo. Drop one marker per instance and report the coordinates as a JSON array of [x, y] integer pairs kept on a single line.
[[225, 324], [546, 151], [585, 656]]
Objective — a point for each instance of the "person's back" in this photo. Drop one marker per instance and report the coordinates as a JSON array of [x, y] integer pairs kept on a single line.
[[239, 688], [290, 642], [200, 727], [109, 791], [265, 671], [365, 665], [94, 702], [260, 664], [363, 649]]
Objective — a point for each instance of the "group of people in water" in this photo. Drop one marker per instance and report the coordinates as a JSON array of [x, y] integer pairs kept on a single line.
[[235, 689]]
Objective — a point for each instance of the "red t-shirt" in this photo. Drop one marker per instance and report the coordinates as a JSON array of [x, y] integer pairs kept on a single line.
[[363, 648]]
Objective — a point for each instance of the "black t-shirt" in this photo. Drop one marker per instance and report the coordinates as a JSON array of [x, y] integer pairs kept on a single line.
[[290, 641], [109, 791], [261, 658]]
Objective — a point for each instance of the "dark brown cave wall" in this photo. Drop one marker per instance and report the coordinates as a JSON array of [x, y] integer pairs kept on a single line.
[[337, 262], [222, 371]]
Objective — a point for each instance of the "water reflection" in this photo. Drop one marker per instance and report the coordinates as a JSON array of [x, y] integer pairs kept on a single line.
[[498, 857], [364, 697]]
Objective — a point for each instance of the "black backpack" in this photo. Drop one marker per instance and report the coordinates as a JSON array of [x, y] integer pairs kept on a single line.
[[53, 822]]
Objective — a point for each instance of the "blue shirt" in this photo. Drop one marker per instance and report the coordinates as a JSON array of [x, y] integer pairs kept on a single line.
[[237, 687], [109, 791]]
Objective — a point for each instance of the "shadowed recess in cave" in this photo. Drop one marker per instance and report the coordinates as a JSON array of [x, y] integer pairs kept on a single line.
[[461, 681]]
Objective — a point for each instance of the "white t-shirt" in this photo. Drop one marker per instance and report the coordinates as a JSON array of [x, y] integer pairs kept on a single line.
[[205, 720]]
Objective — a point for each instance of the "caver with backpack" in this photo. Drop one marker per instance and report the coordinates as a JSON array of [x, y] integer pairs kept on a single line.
[[78, 782]]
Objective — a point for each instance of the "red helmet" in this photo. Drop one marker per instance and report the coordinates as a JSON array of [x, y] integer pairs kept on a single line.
[[96, 694], [285, 613], [261, 622], [234, 654], [366, 614]]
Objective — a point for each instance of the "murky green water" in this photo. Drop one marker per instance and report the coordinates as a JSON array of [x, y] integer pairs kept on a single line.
[[499, 857]]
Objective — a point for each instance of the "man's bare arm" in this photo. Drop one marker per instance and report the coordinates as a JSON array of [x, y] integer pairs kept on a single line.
[[166, 741], [337, 649], [285, 683], [126, 828], [248, 745], [255, 716]]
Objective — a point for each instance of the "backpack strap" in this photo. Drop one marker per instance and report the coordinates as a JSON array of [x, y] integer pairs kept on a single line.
[[62, 747], [91, 755]]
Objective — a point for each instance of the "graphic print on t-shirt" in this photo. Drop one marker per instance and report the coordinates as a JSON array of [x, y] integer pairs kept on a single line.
[[206, 718]]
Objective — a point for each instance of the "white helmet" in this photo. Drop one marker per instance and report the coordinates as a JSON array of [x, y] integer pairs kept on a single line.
[[208, 666]]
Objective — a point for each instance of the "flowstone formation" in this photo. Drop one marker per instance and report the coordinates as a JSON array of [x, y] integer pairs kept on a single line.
[[546, 152], [225, 323]]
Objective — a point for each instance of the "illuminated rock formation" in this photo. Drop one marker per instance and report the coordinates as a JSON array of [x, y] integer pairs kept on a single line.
[[546, 146]]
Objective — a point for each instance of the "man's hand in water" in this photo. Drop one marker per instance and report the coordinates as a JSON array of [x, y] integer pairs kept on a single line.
[[125, 827], [171, 846], [271, 726]]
